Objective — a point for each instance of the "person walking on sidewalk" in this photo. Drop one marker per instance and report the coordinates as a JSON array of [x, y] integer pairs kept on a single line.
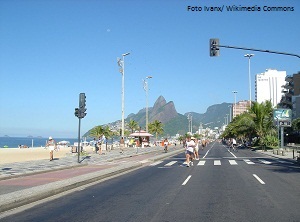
[[52, 146], [166, 143], [122, 144]]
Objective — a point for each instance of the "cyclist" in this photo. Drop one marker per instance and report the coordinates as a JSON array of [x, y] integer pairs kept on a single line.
[[233, 144]]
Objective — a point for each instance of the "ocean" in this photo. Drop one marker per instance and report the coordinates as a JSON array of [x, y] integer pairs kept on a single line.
[[14, 142]]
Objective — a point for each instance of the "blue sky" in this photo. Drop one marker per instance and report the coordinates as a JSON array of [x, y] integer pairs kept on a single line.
[[50, 51]]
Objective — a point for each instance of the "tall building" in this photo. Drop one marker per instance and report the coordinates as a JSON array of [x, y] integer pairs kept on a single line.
[[268, 86], [291, 97], [240, 107]]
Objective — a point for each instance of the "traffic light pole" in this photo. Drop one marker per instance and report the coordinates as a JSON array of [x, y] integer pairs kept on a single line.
[[78, 148], [258, 50], [80, 113]]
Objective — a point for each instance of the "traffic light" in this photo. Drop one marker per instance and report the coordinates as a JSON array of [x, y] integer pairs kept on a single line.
[[214, 47], [82, 100], [82, 112], [76, 112]]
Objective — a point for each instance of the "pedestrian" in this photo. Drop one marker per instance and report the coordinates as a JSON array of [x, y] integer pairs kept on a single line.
[[99, 148], [189, 151], [52, 146], [122, 144], [95, 145], [203, 143], [196, 150], [166, 143]]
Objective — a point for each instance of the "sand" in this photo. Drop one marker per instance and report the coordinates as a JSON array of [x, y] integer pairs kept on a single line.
[[11, 155]]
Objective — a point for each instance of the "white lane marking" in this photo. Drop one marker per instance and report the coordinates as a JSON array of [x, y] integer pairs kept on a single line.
[[171, 163], [248, 161], [201, 163], [217, 162], [264, 161], [186, 180], [232, 154], [260, 180], [155, 163], [233, 162], [206, 153]]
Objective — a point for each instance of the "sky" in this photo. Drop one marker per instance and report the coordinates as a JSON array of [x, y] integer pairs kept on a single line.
[[53, 50]]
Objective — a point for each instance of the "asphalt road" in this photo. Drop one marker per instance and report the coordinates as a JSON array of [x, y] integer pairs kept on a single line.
[[222, 186]]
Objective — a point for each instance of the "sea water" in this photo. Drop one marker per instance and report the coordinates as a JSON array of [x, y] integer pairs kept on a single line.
[[15, 142]]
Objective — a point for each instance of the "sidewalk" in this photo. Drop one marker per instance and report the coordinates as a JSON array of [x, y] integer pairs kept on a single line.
[[26, 182], [285, 153]]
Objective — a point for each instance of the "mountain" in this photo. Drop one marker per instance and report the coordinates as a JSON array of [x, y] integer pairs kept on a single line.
[[161, 111], [174, 122]]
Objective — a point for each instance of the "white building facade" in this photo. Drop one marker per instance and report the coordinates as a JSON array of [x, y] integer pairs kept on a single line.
[[268, 86]]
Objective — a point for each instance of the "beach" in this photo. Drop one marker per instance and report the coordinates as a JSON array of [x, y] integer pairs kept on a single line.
[[12, 155]]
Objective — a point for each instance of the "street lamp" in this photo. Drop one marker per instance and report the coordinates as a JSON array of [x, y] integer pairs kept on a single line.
[[249, 73], [234, 111], [190, 119], [121, 64], [146, 90], [230, 115]]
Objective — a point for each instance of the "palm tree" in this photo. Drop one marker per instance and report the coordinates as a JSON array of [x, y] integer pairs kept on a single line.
[[156, 127], [258, 121], [97, 131], [262, 114], [107, 132], [133, 125]]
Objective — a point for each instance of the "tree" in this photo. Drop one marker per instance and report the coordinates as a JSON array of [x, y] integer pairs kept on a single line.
[[156, 127], [257, 122], [262, 114], [107, 132], [133, 125], [296, 124], [97, 131]]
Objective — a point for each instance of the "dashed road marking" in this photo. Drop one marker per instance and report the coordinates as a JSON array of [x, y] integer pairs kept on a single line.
[[171, 163], [201, 163], [186, 180], [260, 180], [264, 161], [156, 163], [248, 161], [217, 162], [232, 162]]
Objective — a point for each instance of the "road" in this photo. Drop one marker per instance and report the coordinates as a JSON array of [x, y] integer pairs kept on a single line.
[[222, 186]]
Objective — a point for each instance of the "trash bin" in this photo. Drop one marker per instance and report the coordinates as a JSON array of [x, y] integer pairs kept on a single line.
[[74, 149]]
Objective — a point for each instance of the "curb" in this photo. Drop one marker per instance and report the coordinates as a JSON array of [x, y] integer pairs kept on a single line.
[[278, 157]]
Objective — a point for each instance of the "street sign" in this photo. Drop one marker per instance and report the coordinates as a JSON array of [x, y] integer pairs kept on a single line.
[[285, 123], [282, 117]]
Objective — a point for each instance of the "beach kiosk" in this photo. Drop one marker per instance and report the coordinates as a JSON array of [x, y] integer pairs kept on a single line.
[[142, 138]]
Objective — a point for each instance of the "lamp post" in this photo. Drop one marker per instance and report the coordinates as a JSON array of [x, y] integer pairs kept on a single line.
[[230, 115], [121, 64], [249, 73], [190, 117], [146, 90], [234, 111]]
